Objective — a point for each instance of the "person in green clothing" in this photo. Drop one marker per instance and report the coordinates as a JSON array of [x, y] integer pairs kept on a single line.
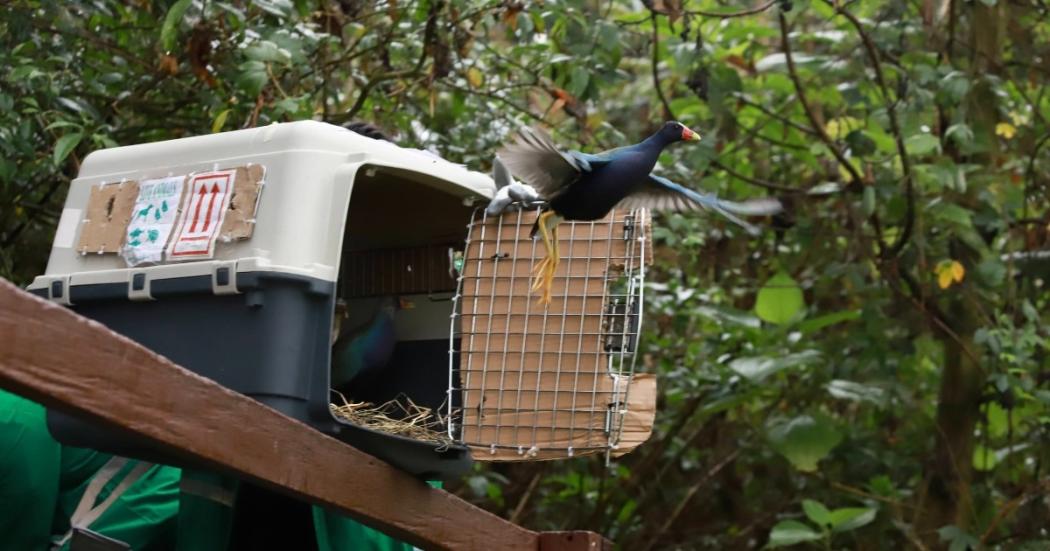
[[47, 488], [29, 464], [206, 519]]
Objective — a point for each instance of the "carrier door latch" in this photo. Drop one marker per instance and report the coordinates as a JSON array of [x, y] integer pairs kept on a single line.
[[138, 286], [224, 278], [58, 290]]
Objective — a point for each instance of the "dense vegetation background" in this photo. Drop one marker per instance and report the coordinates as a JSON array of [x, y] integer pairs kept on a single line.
[[871, 372]]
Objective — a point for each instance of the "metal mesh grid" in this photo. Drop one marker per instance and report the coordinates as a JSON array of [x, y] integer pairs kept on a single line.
[[544, 382]]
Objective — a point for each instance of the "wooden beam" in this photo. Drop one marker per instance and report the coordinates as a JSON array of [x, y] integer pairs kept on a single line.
[[573, 541], [51, 354]]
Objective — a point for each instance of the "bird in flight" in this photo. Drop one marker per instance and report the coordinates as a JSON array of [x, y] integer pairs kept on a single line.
[[584, 187]]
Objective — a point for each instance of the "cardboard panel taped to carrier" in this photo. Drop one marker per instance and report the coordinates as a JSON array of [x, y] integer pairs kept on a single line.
[[540, 382]]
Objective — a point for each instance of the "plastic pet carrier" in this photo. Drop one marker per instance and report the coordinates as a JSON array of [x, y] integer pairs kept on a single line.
[[242, 255]]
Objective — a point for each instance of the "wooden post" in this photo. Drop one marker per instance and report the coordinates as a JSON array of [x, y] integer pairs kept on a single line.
[[63, 360]]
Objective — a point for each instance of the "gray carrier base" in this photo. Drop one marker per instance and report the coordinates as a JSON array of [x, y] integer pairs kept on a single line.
[[257, 318]]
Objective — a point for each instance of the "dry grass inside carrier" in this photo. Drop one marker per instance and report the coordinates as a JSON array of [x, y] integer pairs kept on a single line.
[[400, 416]]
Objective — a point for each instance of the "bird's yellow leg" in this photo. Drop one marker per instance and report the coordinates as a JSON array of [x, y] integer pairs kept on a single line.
[[543, 273], [541, 267], [555, 259]]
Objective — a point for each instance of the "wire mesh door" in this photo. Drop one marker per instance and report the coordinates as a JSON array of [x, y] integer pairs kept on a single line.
[[554, 381]]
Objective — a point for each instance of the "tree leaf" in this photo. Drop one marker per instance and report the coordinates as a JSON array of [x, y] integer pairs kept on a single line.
[[960, 133], [220, 121], [922, 144], [475, 78], [851, 518], [169, 29], [817, 512], [856, 392], [252, 77], [791, 532], [804, 440], [957, 538], [818, 323], [757, 369], [65, 145], [860, 144], [779, 300], [838, 128]]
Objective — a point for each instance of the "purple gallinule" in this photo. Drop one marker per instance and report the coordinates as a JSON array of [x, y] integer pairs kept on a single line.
[[581, 186]]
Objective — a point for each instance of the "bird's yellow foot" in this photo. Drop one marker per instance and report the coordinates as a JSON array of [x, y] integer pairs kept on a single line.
[[543, 272], [542, 275], [537, 270]]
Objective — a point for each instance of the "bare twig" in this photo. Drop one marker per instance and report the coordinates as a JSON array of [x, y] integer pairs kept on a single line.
[[655, 67], [1029, 173], [753, 181], [524, 500], [1011, 506], [891, 112], [810, 114], [728, 15], [689, 497], [773, 114]]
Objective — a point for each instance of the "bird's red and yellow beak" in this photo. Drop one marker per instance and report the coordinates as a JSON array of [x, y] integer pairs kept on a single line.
[[689, 135]]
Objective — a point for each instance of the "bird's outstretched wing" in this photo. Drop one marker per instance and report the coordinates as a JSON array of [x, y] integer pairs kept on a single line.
[[659, 193], [535, 159]]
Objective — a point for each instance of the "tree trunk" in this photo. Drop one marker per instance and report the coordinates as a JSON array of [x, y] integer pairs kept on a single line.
[[946, 494]]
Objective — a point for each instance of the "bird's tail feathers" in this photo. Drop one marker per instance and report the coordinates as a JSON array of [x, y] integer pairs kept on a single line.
[[730, 209], [765, 206], [748, 227]]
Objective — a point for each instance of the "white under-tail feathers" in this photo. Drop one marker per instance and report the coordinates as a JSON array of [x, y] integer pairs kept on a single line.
[[508, 191]]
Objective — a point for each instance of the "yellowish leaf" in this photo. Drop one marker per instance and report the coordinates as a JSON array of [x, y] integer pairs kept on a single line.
[[220, 121], [838, 128], [948, 272], [475, 78], [1005, 130], [944, 278]]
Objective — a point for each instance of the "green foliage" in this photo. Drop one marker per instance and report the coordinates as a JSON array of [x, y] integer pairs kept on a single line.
[[829, 522], [779, 300], [804, 440], [820, 362]]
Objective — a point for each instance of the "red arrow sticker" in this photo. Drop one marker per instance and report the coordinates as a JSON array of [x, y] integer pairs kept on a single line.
[[204, 211], [197, 212]]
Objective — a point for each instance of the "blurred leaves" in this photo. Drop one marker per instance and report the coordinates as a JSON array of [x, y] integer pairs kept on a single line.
[[779, 300], [820, 341], [804, 440]]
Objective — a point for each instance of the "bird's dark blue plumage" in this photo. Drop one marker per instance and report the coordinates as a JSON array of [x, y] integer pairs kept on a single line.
[[580, 186], [365, 347]]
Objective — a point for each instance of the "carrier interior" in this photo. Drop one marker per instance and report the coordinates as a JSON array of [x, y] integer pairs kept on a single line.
[[402, 232]]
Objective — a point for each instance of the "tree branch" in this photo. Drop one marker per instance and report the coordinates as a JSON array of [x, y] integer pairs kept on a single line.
[[770, 113], [656, 73], [753, 181], [810, 114], [689, 496], [880, 79], [728, 15]]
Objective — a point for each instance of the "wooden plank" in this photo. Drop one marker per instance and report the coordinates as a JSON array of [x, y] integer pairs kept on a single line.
[[50, 354], [573, 541]]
